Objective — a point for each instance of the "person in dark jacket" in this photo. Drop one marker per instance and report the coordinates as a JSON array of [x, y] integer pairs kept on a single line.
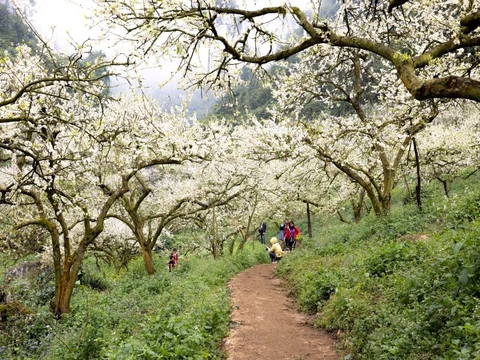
[[281, 233], [262, 230]]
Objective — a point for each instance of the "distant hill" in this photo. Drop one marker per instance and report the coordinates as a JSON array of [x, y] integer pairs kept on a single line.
[[13, 30]]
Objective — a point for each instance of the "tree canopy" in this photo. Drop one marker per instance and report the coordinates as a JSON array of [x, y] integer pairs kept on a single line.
[[335, 125], [430, 45]]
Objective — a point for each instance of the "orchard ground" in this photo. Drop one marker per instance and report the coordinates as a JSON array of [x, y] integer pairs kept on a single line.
[[266, 324]]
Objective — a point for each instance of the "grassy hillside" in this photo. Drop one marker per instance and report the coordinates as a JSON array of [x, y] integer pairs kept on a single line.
[[403, 287], [179, 315]]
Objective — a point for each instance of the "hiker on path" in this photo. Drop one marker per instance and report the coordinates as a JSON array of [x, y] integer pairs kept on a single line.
[[291, 234], [262, 230], [275, 251]]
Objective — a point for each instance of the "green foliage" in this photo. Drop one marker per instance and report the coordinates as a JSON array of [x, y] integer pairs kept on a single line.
[[391, 258], [468, 208], [397, 295], [179, 315], [23, 331], [389, 293], [318, 287], [13, 30], [89, 276], [252, 96], [426, 194], [35, 289]]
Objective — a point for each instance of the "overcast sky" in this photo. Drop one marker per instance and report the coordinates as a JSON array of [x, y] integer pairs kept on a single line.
[[66, 17], [61, 20]]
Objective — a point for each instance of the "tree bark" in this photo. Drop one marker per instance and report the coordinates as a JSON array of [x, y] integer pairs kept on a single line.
[[145, 246], [148, 260], [66, 274], [309, 222], [66, 283], [232, 245], [444, 185], [215, 237], [358, 206], [419, 178]]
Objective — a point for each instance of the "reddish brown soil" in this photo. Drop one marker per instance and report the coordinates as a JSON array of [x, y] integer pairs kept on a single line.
[[267, 325]]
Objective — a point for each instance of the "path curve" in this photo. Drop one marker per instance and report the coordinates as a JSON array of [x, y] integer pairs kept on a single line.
[[266, 323]]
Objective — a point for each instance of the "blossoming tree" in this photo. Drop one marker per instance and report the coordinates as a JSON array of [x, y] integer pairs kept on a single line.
[[430, 45]]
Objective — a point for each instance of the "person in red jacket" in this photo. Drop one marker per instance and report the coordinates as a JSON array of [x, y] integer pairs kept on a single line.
[[291, 234], [173, 260]]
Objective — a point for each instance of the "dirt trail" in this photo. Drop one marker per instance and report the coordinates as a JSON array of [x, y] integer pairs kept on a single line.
[[267, 325]]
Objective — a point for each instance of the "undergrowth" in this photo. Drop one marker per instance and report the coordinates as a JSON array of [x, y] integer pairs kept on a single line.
[[403, 287], [406, 286], [179, 315]]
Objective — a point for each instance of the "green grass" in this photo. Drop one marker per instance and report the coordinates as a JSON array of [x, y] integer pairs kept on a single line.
[[386, 293], [178, 315], [391, 295]]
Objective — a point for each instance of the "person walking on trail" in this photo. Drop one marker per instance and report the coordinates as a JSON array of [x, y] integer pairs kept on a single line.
[[275, 251], [173, 260], [281, 232], [262, 230], [291, 234]]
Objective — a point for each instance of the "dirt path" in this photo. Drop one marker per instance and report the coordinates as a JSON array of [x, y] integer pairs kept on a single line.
[[267, 324]]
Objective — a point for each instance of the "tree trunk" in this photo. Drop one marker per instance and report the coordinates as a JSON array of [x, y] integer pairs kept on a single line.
[[148, 260], [215, 237], [445, 186], [66, 274], [66, 283], [342, 218], [232, 245], [244, 235], [144, 245], [241, 245], [309, 222], [358, 206], [377, 202], [419, 179]]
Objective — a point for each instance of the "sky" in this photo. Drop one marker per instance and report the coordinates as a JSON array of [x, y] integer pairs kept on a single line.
[[66, 18], [60, 21]]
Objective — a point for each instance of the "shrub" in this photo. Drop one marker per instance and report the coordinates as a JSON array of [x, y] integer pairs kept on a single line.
[[179, 315], [93, 281], [23, 333], [392, 257], [468, 208], [316, 288]]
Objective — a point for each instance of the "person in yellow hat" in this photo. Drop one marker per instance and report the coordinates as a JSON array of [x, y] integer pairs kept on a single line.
[[275, 251]]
